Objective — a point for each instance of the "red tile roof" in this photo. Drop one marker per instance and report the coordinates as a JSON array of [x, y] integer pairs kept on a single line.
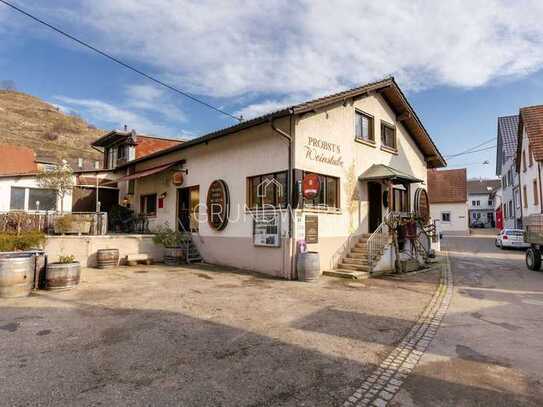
[[146, 145], [447, 186], [17, 160], [531, 118]]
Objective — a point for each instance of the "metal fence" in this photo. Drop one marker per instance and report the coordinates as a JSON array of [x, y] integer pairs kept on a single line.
[[51, 223]]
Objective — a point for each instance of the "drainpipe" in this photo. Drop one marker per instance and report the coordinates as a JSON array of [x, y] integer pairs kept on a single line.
[[539, 186], [288, 137]]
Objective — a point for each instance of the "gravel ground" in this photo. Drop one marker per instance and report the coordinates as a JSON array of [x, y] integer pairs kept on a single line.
[[202, 336]]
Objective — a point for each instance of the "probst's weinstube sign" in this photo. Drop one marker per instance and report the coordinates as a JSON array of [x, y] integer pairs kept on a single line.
[[323, 151]]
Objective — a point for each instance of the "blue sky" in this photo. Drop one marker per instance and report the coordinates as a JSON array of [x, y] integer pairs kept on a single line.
[[462, 64]]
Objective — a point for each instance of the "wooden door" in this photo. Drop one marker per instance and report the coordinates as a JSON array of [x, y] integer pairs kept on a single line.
[[375, 205]]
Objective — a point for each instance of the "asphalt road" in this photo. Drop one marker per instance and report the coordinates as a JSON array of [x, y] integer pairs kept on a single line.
[[489, 349]]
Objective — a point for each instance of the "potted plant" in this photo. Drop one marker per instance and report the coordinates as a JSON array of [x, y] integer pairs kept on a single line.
[[174, 243], [63, 274]]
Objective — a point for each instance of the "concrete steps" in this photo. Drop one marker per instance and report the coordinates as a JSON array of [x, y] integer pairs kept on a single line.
[[353, 275]]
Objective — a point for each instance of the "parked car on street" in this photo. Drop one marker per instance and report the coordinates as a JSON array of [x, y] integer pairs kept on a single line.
[[511, 238]]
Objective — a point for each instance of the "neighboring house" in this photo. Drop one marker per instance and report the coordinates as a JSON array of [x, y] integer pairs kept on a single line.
[[508, 197], [529, 156], [447, 191], [481, 198], [118, 148], [366, 146], [19, 189]]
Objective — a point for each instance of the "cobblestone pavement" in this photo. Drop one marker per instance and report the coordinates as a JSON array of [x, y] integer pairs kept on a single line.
[[386, 380]]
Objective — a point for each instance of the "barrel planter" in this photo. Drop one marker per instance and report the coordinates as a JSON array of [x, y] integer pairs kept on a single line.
[[107, 258], [174, 256], [16, 275], [62, 275], [308, 265]]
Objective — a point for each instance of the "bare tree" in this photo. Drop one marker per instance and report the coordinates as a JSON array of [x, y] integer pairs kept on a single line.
[[61, 179], [8, 84]]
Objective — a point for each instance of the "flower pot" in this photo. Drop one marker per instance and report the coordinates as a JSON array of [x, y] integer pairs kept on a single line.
[[77, 227], [174, 256], [62, 275]]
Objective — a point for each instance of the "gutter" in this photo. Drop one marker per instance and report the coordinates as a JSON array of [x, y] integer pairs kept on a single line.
[[288, 137]]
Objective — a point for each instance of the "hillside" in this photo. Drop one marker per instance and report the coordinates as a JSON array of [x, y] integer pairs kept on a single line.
[[29, 121]]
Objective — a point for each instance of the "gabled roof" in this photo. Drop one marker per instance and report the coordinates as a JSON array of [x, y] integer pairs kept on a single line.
[[115, 136], [17, 160], [483, 186], [381, 171], [447, 186], [507, 131], [388, 88], [531, 118]]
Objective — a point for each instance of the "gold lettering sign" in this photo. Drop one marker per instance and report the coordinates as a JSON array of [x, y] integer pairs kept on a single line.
[[218, 205], [323, 151]]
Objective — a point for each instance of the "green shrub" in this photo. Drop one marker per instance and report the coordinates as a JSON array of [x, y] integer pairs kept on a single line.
[[168, 238], [10, 242], [66, 259]]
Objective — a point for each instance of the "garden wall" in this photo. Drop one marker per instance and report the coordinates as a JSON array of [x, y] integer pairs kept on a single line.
[[84, 248]]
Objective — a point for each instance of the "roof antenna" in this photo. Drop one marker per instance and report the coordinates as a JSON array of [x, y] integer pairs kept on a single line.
[[125, 127]]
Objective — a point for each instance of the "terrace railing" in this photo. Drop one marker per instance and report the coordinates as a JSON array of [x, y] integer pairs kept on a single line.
[[89, 223]]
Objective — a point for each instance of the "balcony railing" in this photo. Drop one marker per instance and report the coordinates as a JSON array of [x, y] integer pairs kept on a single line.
[[51, 223]]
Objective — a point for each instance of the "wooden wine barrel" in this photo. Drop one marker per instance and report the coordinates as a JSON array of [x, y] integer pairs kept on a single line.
[[308, 265], [62, 275], [107, 258], [16, 275], [174, 256]]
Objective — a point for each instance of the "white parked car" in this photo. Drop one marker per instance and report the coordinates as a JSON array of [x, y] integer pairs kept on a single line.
[[508, 238]]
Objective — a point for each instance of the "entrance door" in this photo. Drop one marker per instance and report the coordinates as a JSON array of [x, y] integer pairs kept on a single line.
[[188, 201], [375, 209]]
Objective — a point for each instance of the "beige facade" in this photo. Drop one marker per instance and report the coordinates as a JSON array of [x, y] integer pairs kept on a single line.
[[529, 180], [451, 218], [324, 143]]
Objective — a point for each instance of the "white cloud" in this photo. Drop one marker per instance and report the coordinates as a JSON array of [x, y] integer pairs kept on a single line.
[[115, 116], [228, 49], [153, 99]]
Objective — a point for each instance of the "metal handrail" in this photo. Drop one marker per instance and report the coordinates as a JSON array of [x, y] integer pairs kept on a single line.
[[377, 241]]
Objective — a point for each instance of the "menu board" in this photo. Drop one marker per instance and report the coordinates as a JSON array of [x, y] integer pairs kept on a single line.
[[267, 230], [311, 229], [218, 205]]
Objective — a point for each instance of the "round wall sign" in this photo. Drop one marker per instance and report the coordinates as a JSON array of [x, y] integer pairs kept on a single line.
[[218, 205], [422, 204], [177, 178], [311, 185]]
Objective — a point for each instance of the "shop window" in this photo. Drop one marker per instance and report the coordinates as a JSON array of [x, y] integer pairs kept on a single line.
[[364, 127], [148, 205], [328, 195], [17, 198], [268, 190], [388, 135], [47, 199], [445, 217]]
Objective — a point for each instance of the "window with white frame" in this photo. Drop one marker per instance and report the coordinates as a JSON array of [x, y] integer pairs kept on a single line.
[[24, 198]]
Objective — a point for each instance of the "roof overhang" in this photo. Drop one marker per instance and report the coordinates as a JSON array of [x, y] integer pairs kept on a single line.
[[379, 172], [150, 171], [110, 138]]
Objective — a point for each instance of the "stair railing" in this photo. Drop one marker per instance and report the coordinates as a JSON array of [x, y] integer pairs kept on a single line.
[[187, 241], [377, 242]]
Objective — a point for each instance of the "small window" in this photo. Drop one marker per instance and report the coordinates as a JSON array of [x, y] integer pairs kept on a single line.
[[523, 161], [80, 163], [122, 153], [530, 157], [328, 195], [504, 211], [388, 135], [268, 190], [525, 196], [42, 199], [490, 202], [17, 198], [148, 204], [536, 193], [511, 209], [97, 165], [477, 203], [364, 127], [445, 217]]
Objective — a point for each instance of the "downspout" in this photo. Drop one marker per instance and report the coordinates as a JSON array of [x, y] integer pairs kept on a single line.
[[288, 137], [539, 186]]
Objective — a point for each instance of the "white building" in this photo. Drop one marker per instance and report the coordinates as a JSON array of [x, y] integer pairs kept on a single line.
[[447, 190], [529, 156], [508, 196], [365, 147], [481, 202]]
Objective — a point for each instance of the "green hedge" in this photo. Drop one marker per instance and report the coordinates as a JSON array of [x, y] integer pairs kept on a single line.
[[10, 242]]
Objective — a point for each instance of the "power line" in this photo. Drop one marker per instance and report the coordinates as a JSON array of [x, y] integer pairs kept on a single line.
[[467, 150], [470, 152], [118, 61]]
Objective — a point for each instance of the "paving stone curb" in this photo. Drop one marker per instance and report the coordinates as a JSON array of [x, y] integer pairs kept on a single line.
[[386, 380]]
